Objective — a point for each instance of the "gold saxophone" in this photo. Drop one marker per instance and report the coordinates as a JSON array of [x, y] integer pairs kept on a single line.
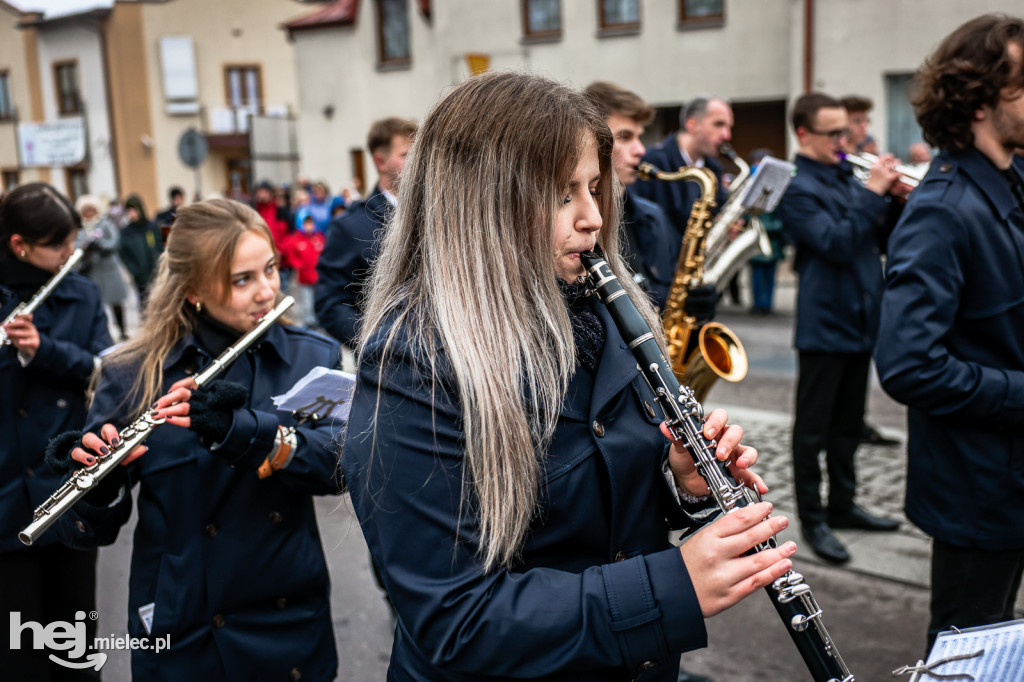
[[719, 352]]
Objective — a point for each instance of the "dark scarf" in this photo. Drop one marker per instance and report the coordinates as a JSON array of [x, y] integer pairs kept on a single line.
[[587, 328], [211, 335], [24, 279]]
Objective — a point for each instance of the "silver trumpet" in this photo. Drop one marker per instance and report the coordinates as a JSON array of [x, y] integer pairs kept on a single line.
[[909, 175], [85, 479], [26, 307]]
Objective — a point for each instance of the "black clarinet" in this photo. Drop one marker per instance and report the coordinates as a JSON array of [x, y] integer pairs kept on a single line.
[[685, 417]]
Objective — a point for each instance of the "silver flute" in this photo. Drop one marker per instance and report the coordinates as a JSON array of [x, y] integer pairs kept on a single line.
[[684, 414], [26, 307], [86, 479]]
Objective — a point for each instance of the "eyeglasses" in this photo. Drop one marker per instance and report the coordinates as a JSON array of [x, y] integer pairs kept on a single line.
[[834, 135]]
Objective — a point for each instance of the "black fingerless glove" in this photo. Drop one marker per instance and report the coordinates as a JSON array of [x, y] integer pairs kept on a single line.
[[58, 458], [212, 410], [701, 302]]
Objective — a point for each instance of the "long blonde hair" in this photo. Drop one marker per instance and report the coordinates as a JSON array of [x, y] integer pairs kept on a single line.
[[467, 263], [199, 253]]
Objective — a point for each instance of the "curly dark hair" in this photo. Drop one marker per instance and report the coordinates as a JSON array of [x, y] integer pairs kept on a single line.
[[966, 72]]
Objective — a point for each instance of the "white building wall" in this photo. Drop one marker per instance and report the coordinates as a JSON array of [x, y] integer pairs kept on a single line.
[[74, 41], [757, 55], [337, 65], [859, 42]]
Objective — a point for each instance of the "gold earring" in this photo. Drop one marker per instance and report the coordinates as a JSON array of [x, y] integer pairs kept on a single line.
[[199, 307]]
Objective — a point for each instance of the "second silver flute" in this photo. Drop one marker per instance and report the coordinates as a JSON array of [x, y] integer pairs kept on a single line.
[[86, 479]]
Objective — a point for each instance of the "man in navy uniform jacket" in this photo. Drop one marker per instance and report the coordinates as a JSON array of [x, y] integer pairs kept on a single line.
[[352, 237], [952, 321], [838, 227]]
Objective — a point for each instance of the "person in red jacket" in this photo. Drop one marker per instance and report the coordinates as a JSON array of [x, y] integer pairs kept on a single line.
[[301, 252]]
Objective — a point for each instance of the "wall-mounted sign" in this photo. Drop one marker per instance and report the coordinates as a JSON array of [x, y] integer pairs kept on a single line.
[[61, 143]]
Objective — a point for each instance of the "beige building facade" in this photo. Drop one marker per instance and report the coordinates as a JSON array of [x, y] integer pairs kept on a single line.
[[143, 73]]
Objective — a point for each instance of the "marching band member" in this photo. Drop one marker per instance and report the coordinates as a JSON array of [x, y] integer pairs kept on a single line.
[[226, 560], [952, 320], [504, 468], [44, 373]]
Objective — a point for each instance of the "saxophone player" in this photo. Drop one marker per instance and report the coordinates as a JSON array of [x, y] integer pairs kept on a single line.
[[952, 320], [838, 227]]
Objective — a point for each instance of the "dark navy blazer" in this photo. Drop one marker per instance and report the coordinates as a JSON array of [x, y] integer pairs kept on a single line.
[[598, 592], [232, 564], [655, 242], [838, 228], [45, 398], [352, 242], [950, 348], [675, 198]]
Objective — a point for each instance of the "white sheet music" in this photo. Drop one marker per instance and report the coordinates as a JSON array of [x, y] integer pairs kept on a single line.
[[1003, 660], [765, 189], [324, 392]]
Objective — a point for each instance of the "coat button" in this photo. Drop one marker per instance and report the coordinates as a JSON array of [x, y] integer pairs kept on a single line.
[[620, 556], [30, 472], [218, 621], [598, 429], [295, 675], [210, 530], [281, 603], [945, 168], [80, 526], [648, 409], [647, 665], [22, 412], [275, 517], [61, 403]]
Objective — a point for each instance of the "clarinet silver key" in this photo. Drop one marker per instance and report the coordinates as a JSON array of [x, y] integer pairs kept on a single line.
[[85, 479], [684, 416]]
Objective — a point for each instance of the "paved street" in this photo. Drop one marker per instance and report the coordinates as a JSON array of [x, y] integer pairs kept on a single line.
[[875, 608]]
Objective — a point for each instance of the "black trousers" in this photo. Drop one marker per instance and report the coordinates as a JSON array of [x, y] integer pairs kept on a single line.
[[830, 393], [45, 584], [972, 587]]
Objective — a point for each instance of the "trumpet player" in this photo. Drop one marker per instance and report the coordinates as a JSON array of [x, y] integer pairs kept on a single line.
[[952, 320], [838, 227]]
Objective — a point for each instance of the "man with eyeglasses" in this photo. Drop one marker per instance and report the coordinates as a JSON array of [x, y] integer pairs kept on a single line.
[[838, 227]]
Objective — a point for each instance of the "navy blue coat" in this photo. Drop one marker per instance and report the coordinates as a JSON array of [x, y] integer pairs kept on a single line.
[[653, 237], [950, 349], [352, 242], [598, 590], [675, 198], [232, 564], [45, 398], [838, 228]]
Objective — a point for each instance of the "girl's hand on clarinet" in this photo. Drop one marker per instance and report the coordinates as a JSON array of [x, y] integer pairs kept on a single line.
[[94, 445], [174, 405], [720, 574], [740, 457]]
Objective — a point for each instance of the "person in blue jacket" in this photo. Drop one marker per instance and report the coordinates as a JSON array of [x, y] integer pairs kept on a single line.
[[44, 373], [503, 454], [949, 344], [838, 227], [226, 560], [353, 237]]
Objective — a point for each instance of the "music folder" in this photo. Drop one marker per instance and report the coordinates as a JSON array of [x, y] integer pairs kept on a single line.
[[764, 190], [322, 394]]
